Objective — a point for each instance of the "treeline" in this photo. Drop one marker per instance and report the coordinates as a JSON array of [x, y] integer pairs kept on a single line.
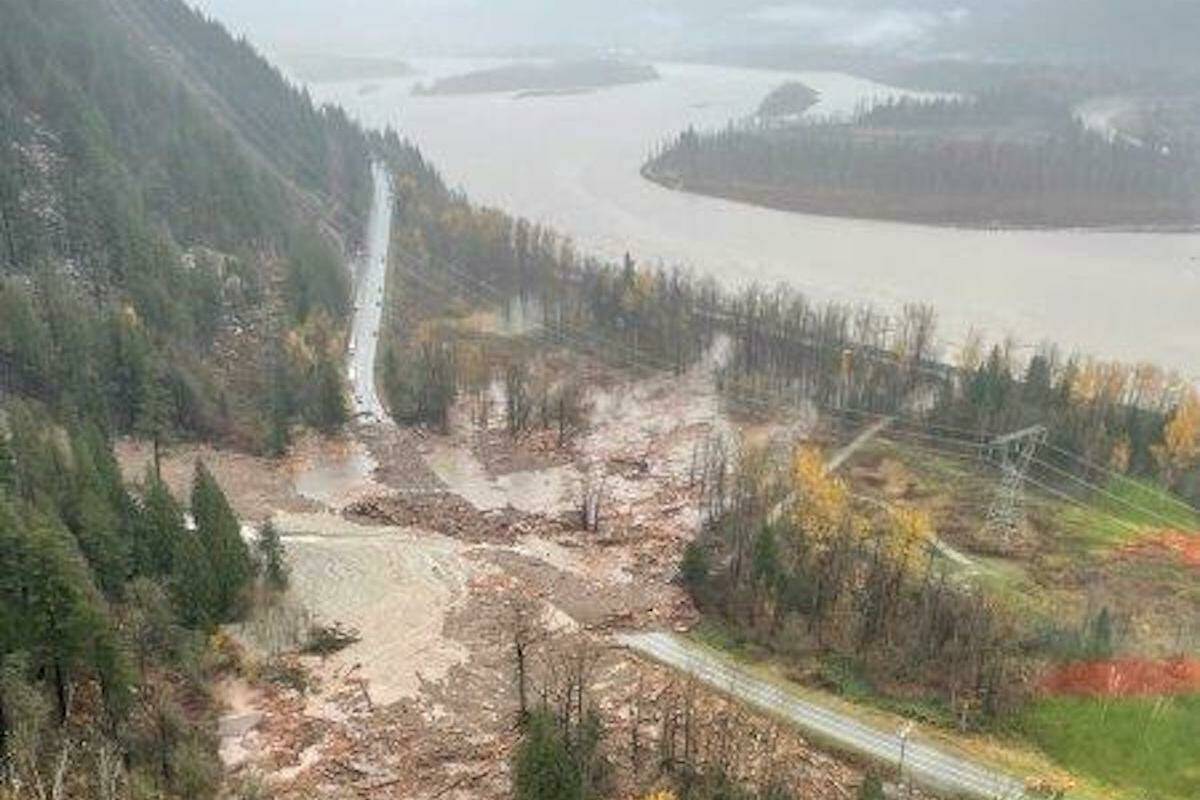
[[995, 106], [790, 349], [1135, 420], [559, 76], [769, 347], [670, 739], [788, 561], [790, 99], [454, 258], [1104, 418], [174, 223], [107, 598], [994, 160]]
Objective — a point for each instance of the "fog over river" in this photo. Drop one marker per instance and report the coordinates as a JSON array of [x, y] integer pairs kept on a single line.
[[572, 162]]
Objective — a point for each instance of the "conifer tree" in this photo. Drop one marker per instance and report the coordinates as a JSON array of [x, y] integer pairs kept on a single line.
[[271, 558], [68, 626], [159, 528], [545, 768], [219, 533]]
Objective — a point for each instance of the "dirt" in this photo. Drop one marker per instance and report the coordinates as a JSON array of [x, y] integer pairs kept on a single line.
[[1172, 546], [1128, 677], [392, 585], [502, 454], [400, 455], [453, 516], [255, 486], [424, 544]]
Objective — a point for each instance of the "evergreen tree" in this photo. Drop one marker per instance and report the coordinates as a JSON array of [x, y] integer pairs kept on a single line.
[[694, 567], [159, 528], [13, 595], [330, 413], [271, 558], [99, 535], [872, 788], [1101, 644], [194, 583], [279, 403], [545, 768], [69, 629], [219, 532]]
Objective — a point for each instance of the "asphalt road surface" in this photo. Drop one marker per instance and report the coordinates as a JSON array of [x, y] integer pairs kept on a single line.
[[368, 302], [925, 765]]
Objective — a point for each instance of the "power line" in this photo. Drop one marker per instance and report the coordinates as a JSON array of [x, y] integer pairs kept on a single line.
[[640, 359], [1121, 476]]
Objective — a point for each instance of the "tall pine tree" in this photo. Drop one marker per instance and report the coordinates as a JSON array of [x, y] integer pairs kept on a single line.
[[220, 535]]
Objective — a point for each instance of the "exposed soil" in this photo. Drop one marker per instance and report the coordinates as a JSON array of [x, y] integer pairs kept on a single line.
[[255, 486], [1124, 678], [1171, 546], [424, 544], [399, 456], [453, 516]]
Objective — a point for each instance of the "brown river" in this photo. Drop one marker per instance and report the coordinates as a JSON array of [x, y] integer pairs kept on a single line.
[[572, 161]]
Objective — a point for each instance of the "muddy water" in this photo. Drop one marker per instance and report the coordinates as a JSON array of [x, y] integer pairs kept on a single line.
[[393, 585], [572, 161], [336, 476], [551, 491]]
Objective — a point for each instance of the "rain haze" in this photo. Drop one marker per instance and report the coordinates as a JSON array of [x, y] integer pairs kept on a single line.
[[580, 400]]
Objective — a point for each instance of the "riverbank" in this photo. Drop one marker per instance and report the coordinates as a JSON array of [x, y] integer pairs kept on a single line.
[[940, 211]]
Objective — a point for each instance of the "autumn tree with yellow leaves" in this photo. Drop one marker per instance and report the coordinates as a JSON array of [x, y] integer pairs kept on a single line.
[[1180, 449], [831, 575]]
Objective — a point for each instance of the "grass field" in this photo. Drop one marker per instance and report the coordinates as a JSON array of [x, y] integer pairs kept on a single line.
[[1116, 516], [1144, 746]]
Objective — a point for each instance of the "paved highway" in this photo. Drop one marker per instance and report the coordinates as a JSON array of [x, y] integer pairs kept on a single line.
[[926, 765], [368, 302]]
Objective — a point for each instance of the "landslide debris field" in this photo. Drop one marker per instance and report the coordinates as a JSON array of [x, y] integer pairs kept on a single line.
[[435, 549], [453, 538]]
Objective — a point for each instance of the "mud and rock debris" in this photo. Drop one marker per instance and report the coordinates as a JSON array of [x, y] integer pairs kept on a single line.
[[454, 516]]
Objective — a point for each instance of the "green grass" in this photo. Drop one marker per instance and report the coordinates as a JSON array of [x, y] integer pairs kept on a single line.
[[1107, 521], [1146, 746]]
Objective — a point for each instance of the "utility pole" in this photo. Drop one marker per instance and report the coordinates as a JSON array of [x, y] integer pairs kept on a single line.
[[905, 733], [1015, 452]]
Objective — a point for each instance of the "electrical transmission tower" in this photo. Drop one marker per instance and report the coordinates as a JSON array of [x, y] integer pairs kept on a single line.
[[1015, 452]]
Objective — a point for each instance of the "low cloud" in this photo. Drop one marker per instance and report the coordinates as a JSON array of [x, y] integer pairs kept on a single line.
[[856, 27]]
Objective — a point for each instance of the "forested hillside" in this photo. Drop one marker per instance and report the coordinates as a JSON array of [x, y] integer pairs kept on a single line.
[[174, 222], [1006, 157]]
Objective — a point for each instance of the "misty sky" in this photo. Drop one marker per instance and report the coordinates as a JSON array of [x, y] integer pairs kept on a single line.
[[398, 27]]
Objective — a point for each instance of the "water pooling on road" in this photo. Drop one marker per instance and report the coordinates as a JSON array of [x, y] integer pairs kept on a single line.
[[573, 162]]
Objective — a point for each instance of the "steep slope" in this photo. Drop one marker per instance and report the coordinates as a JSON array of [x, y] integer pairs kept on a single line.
[[174, 218]]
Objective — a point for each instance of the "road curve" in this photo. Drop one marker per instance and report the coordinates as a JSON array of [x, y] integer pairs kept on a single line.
[[371, 277], [925, 765]]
